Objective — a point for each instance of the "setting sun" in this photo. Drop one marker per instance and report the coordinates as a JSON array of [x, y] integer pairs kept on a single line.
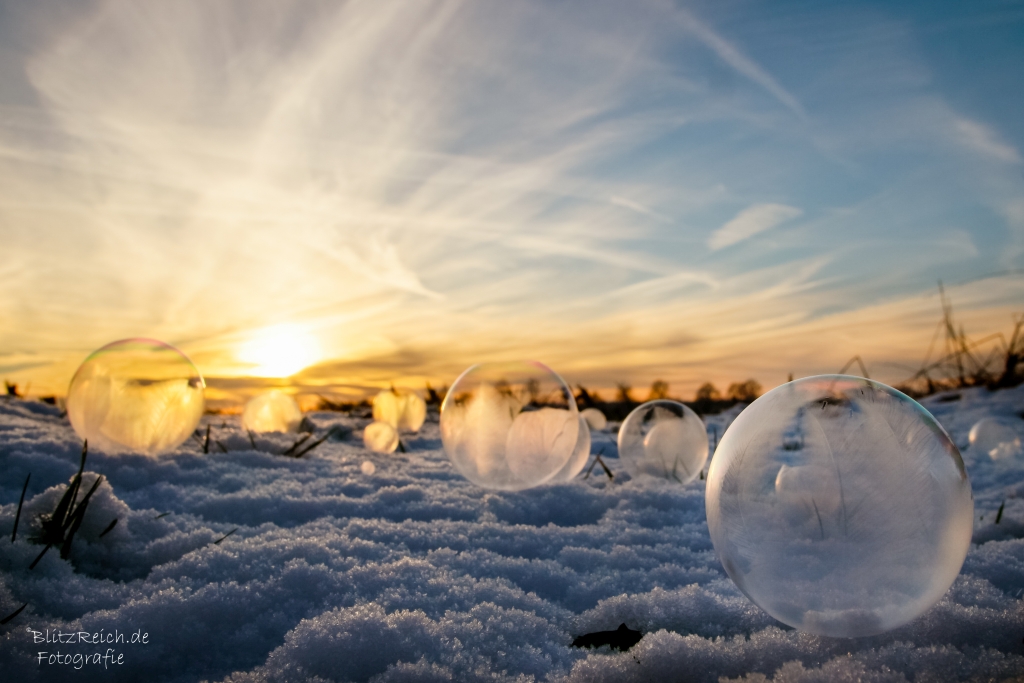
[[280, 351]]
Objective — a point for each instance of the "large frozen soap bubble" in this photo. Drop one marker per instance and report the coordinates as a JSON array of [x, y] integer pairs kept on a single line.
[[839, 506], [510, 426], [664, 439], [995, 438], [274, 411], [578, 459], [137, 395]]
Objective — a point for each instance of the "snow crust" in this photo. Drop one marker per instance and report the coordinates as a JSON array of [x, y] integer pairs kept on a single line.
[[412, 573]]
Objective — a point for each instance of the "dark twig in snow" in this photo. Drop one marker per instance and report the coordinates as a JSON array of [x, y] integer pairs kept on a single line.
[[161, 515], [13, 614], [999, 514], [110, 527]]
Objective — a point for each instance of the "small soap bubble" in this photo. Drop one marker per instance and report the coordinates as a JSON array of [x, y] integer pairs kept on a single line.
[[995, 438], [401, 409], [273, 411], [663, 439], [138, 395], [380, 437], [578, 459], [510, 426], [595, 419], [839, 506], [367, 468]]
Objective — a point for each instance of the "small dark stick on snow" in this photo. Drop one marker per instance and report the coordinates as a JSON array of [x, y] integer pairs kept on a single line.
[[621, 638], [999, 514]]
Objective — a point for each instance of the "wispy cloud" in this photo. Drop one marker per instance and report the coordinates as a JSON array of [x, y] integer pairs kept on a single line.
[[982, 140], [749, 222], [640, 208], [734, 57]]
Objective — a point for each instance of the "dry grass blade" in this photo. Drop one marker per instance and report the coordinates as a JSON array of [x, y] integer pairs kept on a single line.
[[75, 519], [21, 502], [59, 527], [313, 445], [297, 443], [217, 542], [855, 359], [999, 514]]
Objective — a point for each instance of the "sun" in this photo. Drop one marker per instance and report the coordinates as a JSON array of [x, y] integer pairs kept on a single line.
[[280, 351]]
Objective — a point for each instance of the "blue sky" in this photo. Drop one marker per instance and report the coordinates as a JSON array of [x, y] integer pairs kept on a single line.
[[625, 191]]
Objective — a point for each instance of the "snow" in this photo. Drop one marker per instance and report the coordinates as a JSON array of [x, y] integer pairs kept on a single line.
[[412, 573]]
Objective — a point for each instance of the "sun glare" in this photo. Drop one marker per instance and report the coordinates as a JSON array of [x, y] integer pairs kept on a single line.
[[280, 351]]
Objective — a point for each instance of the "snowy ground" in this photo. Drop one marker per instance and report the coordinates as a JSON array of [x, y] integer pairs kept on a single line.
[[414, 574]]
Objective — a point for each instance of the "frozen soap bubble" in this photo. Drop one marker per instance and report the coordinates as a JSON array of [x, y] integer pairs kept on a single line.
[[400, 409], [137, 395], [839, 506], [509, 426], [595, 418], [273, 411], [995, 438], [380, 437], [664, 439], [367, 468], [578, 459]]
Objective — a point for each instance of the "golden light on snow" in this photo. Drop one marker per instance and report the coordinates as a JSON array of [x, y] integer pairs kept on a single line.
[[280, 351]]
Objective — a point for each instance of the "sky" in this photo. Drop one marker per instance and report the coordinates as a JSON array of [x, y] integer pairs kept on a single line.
[[375, 192]]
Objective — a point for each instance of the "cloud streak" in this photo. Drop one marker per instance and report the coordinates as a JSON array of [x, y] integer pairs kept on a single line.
[[751, 221]]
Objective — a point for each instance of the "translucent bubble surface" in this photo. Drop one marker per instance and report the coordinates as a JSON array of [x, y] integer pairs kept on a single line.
[[578, 459], [137, 395], [595, 419], [995, 438], [273, 411], [380, 437], [400, 409], [367, 468], [839, 506], [663, 439], [509, 426]]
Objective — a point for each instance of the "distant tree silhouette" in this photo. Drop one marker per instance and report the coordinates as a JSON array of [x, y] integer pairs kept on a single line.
[[745, 392], [623, 393], [708, 392], [659, 390]]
